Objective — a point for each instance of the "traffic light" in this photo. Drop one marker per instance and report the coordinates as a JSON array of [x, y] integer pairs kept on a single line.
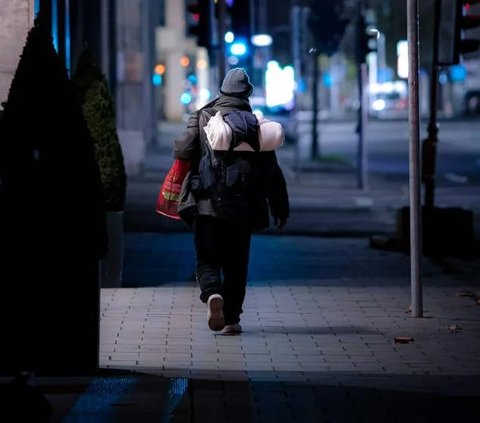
[[158, 72], [367, 37], [199, 22], [464, 21]]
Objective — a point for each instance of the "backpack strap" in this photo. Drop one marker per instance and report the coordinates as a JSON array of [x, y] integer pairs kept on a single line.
[[204, 115]]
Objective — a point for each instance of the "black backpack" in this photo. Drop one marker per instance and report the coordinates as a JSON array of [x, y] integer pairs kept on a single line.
[[229, 178]]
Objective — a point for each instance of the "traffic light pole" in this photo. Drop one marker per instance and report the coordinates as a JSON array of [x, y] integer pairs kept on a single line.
[[362, 76], [362, 163], [296, 18], [414, 161], [221, 39], [315, 151], [430, 143]]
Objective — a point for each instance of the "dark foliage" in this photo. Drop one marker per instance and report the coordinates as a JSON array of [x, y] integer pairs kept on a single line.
[[99, 113], [52, 219]]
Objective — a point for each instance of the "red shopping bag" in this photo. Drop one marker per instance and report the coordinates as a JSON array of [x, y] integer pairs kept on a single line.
[[167, 200]]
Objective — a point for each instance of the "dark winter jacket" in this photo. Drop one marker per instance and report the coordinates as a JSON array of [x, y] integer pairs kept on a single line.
[[269, 195]]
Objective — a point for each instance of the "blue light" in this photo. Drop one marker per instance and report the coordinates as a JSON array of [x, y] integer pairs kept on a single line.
[[327, 79], [385, 75], [157, 79], [100, 397], [67, 34], [55, 24], [238, 48], [301, 85], [458, 73], [36, 7], [178, 386], [186, 98], [442, 78], [192, 79]]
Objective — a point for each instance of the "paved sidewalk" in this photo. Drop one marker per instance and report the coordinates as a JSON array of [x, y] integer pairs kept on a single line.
[[320, 320], [321, 317]]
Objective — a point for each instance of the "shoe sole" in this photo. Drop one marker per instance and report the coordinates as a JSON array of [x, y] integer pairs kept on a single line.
[[231, 332], [216, 321]]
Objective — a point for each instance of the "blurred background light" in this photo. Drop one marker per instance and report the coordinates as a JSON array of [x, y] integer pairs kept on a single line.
[[157, 79], [205, 94], [184, 61], [186, 98], [280, 85], [202, 64], [229, 37], [159, 69], [261, 40], [402, 59], [238, 49], [232, 60]]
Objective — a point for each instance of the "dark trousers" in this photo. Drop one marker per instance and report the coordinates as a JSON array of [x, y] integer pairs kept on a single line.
[[222, 249]]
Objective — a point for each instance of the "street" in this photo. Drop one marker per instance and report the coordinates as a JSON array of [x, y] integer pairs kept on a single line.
[[324, 196], [458, 152]]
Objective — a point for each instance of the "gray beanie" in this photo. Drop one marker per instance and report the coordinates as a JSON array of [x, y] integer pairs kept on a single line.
[[236, 83]]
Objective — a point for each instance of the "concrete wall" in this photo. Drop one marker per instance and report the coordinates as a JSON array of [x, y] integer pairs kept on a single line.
[[171, 46], [130, 80], [16, 19]]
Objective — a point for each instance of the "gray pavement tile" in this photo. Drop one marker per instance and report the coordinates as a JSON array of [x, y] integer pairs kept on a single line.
[[233, 366], [339, 313], [248, 349], [230, 357], [341, 366], [363, 359], [307, 359], [229, 349], [336, 358], [288, 366]]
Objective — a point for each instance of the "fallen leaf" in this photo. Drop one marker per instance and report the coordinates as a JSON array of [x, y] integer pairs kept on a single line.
[[466, 294], [403, 339], [454, 328]]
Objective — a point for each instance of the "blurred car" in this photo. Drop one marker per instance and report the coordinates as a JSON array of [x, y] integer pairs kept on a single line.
[[388, 105]]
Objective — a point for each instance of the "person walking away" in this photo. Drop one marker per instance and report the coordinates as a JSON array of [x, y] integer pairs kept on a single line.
[[234, 189]]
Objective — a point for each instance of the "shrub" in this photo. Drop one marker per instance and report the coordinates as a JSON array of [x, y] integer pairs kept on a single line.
[[52, 220], [98, 110]]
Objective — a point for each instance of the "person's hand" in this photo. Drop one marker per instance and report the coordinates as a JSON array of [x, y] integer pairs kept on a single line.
[[279, 222]]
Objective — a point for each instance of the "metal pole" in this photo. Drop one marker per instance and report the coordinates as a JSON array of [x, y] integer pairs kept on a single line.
[[362, 76], [221, 40], [112, 44], [295, 18], [148, 89], [414, 159], [430, 143], [104, 37], [362, 163], [315, 151]]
